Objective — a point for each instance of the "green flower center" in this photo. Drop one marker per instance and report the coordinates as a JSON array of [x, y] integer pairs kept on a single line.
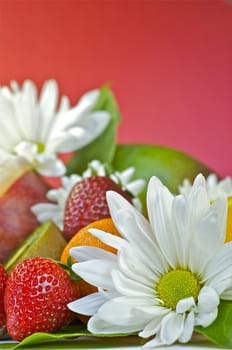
[[176, 285], [41, 147]]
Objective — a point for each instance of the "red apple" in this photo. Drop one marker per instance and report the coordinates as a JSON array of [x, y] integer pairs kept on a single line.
[[16, 219]]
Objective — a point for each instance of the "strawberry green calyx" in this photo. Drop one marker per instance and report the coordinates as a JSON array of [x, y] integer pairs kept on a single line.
[[68, 267]]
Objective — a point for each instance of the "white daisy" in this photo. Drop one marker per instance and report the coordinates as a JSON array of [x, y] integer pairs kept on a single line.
[[56, 211], [135, 187], [34, 128], [214, 186], [170, 271]]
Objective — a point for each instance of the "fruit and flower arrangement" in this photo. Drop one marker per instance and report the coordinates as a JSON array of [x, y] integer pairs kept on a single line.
[[126, 244]]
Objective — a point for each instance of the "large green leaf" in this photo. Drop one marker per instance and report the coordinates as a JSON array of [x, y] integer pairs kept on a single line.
[[220, 331], [67, 339], [169, 165], [103, 147]]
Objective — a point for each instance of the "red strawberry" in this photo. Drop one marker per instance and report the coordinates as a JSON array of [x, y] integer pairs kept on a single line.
[[3, 279], [87, 203], [36, 297]]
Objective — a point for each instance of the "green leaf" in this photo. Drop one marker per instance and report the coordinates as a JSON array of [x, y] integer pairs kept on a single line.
[[169, 165], [67, 339], [102, 148], [220, 331]]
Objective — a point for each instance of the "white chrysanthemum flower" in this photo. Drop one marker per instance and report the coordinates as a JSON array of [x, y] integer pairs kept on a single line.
[[56, 211], [95, 167], [214, 186], [170, 271], [34, 128], [123, 179]]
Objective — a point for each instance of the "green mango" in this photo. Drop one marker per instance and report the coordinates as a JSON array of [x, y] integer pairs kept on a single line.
[[169, 165], [46, 241]]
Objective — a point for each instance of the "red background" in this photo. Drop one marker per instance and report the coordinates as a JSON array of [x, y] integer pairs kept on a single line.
[[169, 64]]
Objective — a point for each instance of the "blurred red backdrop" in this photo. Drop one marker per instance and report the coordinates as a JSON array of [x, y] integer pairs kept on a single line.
[[168, 62]]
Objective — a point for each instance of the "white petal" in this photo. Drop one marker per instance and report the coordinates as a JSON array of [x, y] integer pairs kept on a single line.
[[171, 328], [154, 325], [125, 175], [208, 300], [206, 234], [220, 208], [9, 136], [87, 102], [222, 283], [44, 211], [98, 326], [185, 305], [96, 272], [137, 204], [219, 268], [185, 188], [132, 225], [131, 287], [85, 253], [116, 202], [206, 319], [62, 141], [132, 266], [212, 180], [26, 112], [188, 328], [87, 305], [27, 150], [108, 238], [47, 106], [150, 308], [14, 86], [64, 105], [123, 178], [155, 342], [81, 133], [198, 202], [181, 232], [133, 228], [135, 187], [120, 311], [207, 310], [159, 205], [49, 165], [227, 289]]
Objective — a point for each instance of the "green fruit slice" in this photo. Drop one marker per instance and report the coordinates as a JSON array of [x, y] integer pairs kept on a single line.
[[169, 165], [46, 241]]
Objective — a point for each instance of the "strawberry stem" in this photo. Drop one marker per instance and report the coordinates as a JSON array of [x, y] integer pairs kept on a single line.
[[68, 267]]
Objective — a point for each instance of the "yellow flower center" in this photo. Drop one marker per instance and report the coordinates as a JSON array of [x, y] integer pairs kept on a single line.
[[41, 147], [176, 285]]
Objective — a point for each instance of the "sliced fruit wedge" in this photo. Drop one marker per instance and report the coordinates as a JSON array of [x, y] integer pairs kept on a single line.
[[46, 241], [11, 170]]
